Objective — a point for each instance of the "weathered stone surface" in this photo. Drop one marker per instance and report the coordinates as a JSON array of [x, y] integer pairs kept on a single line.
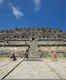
[[7, 66], [46, 69]]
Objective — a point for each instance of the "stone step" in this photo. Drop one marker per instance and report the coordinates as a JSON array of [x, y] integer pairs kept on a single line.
[[34, 51], [34, 59], [34, 55]]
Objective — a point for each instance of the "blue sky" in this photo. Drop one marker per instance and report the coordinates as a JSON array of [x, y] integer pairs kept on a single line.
[[26, 13]]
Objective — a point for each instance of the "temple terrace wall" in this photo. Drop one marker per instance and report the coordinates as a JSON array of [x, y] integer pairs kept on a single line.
[[45, 50]]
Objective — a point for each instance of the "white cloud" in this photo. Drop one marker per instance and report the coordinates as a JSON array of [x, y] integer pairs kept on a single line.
[[37, 4], [1, 1], [17, 12]]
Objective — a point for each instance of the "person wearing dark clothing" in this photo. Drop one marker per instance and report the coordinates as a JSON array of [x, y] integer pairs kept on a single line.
[[26, 54], [13, 57]]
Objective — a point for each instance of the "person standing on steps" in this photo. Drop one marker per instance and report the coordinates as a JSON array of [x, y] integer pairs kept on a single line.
[[27, 54]]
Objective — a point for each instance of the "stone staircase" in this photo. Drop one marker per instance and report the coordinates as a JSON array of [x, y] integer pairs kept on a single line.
[[34, 52]]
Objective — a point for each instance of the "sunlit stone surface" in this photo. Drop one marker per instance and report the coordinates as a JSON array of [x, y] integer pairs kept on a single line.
[[46, 69]]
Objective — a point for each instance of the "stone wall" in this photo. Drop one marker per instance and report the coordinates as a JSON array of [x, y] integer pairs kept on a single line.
[[46, 48], [6, 51], [47, 51]]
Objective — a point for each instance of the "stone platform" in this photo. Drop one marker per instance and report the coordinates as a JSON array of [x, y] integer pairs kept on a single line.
[[45, 69], [7, 65], [33, 59]]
